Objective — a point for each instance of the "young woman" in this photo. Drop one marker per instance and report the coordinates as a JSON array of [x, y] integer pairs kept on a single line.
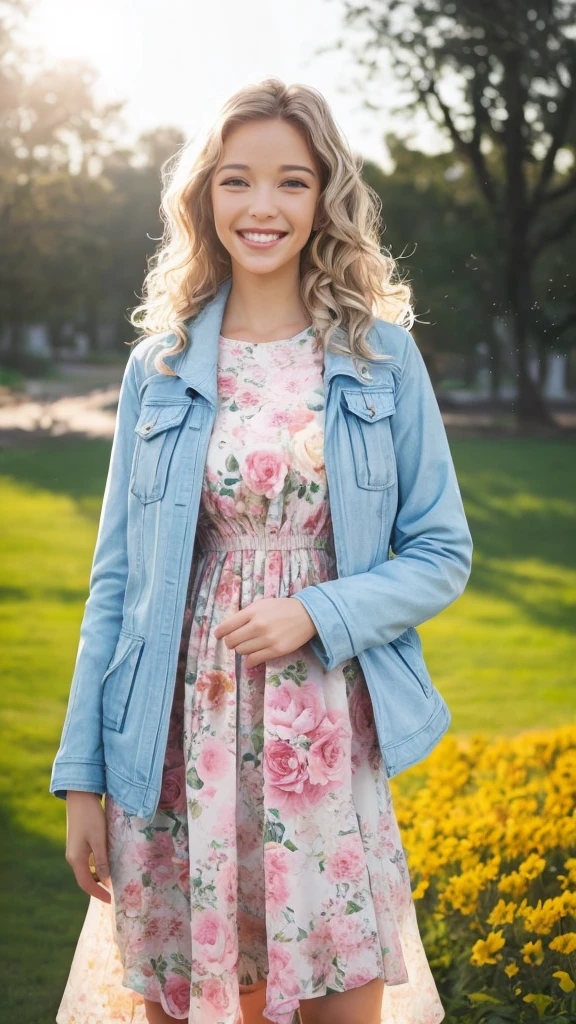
[[249, 675]]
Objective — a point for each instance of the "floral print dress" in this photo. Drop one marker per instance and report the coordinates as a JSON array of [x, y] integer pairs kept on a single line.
[[275, 852]]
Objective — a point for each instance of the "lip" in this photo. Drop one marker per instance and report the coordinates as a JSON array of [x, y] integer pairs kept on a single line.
[[261, 245]]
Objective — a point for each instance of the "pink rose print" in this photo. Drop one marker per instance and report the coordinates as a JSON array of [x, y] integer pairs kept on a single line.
[[227, 384], [293, 710], [227, 883], [182, 873], [317, 947], [215, 760], [214, 934], [173, 792], [274, 563], [270, 421], [300, 418], [177, 994], [361, 976], [362, 714], [346, 933], [131, 898], [214, 992], [152, 990], [329, 752], [288, 382], [228, 587], [348, 863], [224, 505], [285, 767], [264, 470], [276, 881], [248, 397], [156, 857], [278, 957]]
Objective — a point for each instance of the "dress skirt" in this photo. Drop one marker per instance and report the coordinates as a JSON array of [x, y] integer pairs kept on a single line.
[[274, 852]]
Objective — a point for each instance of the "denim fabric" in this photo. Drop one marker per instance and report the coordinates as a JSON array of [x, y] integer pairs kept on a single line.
[[401, 538]]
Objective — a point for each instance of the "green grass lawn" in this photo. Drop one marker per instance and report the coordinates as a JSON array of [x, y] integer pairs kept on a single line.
[[503, 655]]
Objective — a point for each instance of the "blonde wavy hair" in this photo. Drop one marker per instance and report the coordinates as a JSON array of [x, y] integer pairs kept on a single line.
[[346, 278]]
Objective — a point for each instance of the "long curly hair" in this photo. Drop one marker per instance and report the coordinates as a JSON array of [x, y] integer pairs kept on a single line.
[[346, 278]]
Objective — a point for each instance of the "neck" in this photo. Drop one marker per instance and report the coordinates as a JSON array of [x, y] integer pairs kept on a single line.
[[265, 305]]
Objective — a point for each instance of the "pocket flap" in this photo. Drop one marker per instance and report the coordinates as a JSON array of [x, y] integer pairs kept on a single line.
[[156, 418], [118, 678], [369, 404]]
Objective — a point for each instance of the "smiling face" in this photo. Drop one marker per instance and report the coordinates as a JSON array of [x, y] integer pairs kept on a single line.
[[274, 192]]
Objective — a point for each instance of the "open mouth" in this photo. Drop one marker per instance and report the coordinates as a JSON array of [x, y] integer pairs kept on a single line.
[[267, 241]]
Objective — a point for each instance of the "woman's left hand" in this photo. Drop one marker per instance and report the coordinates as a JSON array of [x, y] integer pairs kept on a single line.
[[267, 628]]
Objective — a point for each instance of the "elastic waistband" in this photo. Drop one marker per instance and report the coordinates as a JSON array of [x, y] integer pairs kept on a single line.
[[261, 540]]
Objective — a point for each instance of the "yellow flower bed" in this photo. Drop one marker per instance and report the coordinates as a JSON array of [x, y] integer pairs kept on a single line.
[[490, 837]]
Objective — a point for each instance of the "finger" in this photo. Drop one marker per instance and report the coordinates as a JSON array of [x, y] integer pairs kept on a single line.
[[246, 634], [258, 657], [86, 881], [228, 626], [101, 865], [252, 645]]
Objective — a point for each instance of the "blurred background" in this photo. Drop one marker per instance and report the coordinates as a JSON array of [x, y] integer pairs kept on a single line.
[[464, 114]]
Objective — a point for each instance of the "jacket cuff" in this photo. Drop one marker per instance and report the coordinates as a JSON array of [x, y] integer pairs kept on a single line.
[[333, 643], [85, 776]]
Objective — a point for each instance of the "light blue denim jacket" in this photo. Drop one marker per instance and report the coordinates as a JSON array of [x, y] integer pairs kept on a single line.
[[391, 485]]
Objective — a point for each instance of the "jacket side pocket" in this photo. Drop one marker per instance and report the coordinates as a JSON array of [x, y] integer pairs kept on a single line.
[[408, 647], [118, 679]]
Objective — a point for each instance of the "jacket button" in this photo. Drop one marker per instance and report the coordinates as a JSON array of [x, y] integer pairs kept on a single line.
[[363, 370], [372, 410], [147, 427]]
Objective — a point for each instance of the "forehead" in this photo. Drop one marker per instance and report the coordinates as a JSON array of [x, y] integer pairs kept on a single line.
[[274, 144]]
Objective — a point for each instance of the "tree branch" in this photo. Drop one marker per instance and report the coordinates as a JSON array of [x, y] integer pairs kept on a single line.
[[562, 190], [471, 150], [564, 115], [560, 231]]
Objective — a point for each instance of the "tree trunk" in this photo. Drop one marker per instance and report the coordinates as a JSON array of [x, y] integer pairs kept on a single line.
[[529, 405]]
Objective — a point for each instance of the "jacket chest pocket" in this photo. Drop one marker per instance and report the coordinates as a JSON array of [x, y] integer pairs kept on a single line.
[[118, 679], [367, 412], [157, 430]]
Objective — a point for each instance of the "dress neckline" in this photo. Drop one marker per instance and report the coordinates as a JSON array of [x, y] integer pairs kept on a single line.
[[264, 344]]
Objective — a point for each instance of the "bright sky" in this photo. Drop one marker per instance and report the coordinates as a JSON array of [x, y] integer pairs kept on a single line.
[[175, 61]]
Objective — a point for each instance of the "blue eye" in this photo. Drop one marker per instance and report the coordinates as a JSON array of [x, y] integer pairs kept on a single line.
[[295, 181]]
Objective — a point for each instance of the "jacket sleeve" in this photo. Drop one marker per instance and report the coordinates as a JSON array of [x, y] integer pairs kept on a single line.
[[430, 538], [79, 762]]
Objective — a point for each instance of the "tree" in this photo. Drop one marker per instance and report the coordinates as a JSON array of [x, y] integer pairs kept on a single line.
[[79, 210], [512, 70], [435, 226]]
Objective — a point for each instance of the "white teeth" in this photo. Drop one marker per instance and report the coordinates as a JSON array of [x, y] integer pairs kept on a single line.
[[257, 237]]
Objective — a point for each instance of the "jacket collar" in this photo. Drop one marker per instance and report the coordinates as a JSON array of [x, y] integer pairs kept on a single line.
[[197, 363]]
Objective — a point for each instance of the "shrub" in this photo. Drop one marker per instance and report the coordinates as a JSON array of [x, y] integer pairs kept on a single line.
[[491, 841]]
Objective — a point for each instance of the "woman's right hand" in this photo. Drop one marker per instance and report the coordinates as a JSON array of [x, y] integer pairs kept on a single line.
[[86, 834]]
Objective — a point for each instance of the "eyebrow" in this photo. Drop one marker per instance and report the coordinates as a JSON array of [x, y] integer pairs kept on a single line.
[[284, 167]]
